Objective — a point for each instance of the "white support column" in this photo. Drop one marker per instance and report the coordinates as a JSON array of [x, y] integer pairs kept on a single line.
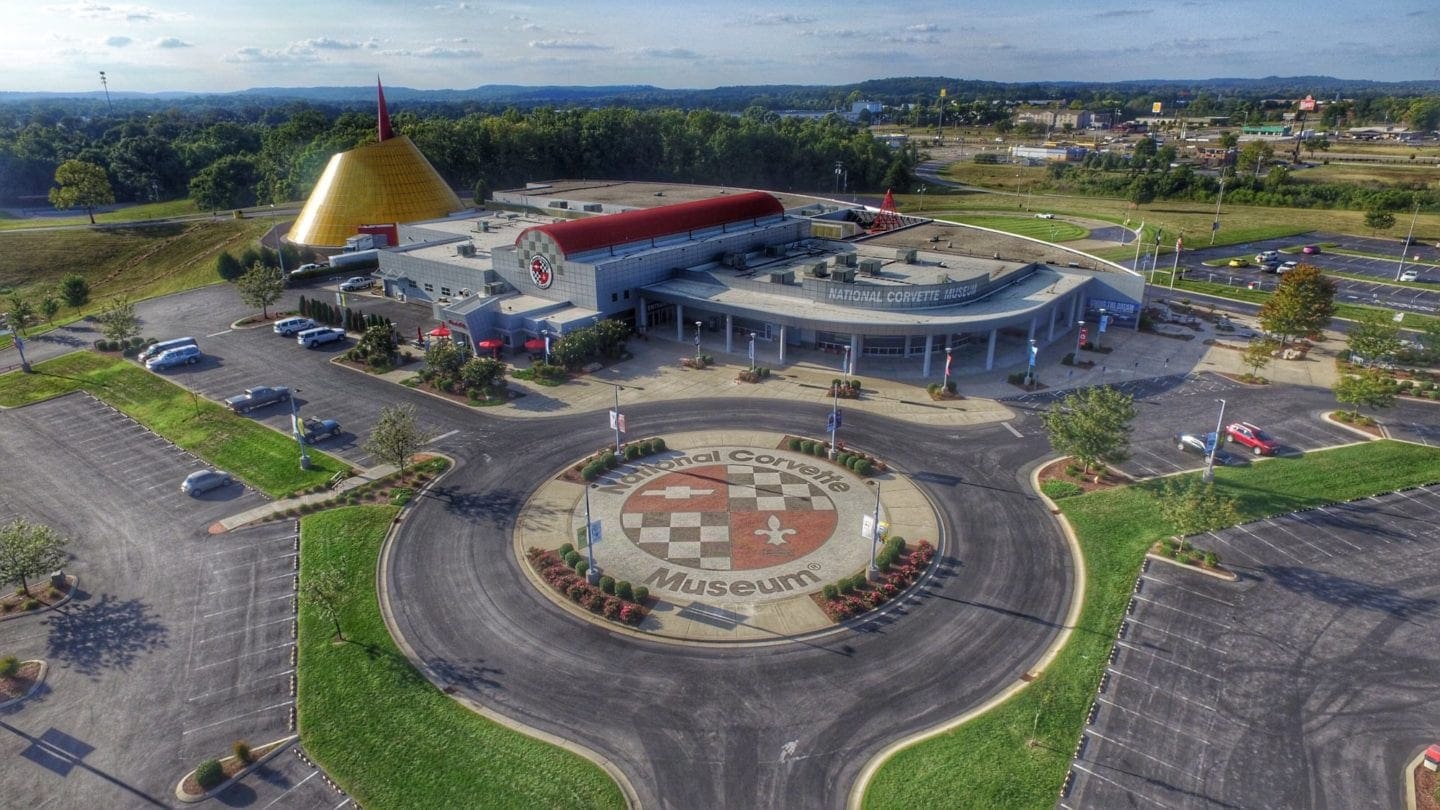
[[990, 351], [1054, 310], [729, 331], [782, 344], [680, 323], [640, 315], [857, 346], [1034, 324], [1074, 310], [929, 347]]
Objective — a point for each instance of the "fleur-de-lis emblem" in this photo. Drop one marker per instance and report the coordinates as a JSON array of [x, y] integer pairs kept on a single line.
[[775, 534]]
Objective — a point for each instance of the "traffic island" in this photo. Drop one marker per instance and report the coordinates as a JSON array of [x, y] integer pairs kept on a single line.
[[732, 536], [212, 777], [19, 679]]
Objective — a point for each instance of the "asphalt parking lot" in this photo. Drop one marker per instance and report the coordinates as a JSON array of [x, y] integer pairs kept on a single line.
[[1189, 403], [192, 627], [1308, 683]]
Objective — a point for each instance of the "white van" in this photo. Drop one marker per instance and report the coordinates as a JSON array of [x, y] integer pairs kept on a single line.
[[290, 326], [156, 349], [179, 356], [311, 338]]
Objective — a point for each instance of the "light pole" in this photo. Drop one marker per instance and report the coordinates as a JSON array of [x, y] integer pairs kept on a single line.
[[1209, 474], [839, 170], [945, 385], [546, 334], [299, 431], [922, 198], [875, 534], [1215, 226], [1408, 238], [106, 84], [1030, 368], [834, 420], [274, 221], [698, 324], [591, 574], [845, 361], [752, 351], [619, 420]]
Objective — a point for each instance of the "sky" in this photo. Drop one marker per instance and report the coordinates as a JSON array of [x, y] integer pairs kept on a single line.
[[226, 45]]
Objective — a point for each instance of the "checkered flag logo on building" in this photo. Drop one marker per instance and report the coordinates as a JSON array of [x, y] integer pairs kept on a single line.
[[728, 517]]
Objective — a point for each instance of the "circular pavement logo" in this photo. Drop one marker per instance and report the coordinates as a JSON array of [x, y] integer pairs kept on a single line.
[[730, 517]]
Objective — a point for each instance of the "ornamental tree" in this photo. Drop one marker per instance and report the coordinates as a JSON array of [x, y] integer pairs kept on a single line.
[[1093, 425], [1302, 304], [81, 184]]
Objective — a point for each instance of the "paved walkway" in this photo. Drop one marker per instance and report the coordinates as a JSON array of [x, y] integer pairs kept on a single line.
[[654, 374]]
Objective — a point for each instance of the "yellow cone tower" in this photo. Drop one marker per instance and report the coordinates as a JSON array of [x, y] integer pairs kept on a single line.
[[380, 183]]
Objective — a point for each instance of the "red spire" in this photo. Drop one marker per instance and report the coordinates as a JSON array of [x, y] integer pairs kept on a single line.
[[888, 219], [385, 132]]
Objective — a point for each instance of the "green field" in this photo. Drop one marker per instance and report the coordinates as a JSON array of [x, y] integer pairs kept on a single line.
[[130, 213], [261, 457], [1050, 230], [387, 735], [1016, 755]]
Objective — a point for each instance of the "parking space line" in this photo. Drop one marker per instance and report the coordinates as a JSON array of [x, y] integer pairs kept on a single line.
[[1097, 735], [250, 681], [291, 789], [248, 604], [1151, 720], [1077, 766], [1171, 661], [251, 547], [1308, 519], [1283, 524], [243, 655], [1182, 589], [1170, 694], [1282, 552], [1199, 641], [287, 555], [238, 716], [247, 628], [286, 575], [218, 334]]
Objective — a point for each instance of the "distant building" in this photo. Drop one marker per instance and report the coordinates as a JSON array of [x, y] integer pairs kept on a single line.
[[1044, 116], [872, 107], [1266, 130], [1052, 154], [1075, 119]]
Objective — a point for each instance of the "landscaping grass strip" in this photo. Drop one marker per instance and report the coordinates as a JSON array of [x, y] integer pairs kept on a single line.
[[1016, 756], [267, 460], [1049, 230], [386, 734]]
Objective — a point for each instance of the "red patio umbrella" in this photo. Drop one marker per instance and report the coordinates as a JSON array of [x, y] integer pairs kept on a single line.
[[441, 331], [534, 345], [491, 343]]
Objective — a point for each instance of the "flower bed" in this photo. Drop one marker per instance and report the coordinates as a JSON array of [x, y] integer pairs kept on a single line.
[[855, 595], [753, 375], [845, 389], [42, 593], [229, 768], [564, 570]]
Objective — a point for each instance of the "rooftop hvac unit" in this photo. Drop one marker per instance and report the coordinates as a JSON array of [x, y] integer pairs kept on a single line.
[[817, 270], [735, 260], [493, 288], [559, 204], [465, 249], [845, 275], [847, 259], [782, 277], [593, 207], [906, 255], [870, 267]]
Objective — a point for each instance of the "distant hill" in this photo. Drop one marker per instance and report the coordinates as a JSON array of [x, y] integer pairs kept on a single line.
[[817, 97]]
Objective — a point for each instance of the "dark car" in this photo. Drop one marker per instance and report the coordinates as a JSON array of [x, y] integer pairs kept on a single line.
[[257, 397], [317, 429], [1191, 443]]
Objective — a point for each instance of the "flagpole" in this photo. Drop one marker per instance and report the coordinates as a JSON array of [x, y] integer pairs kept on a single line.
[[617, 420], [591, 575], [834, 419]]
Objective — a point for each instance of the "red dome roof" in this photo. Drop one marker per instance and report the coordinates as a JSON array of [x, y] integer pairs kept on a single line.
[[580, 235]]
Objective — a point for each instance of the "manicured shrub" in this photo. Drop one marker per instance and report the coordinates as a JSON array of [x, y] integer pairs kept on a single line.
[[9, 665], [565, 550], [609, 460], [632, 452], [209, 774], [1211, 559], [863, 466], [844, 459], [624, 591], [573, 558], [641, 594], [611, 608], [581, 567], [591, 471], [830, 591], [607, 584], [845, 585], [794, 444], [242, 751], [659, 444], [30, 604]]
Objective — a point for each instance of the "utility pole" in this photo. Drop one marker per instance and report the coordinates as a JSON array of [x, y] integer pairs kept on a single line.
[[106, 85], [1408, 238], [1215, 226]]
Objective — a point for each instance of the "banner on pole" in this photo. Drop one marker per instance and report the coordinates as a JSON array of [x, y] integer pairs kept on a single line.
[[617, 421], [1104, 323], [582, 540], [867, 528], [832, 422], [1034, 351], [752, 350]]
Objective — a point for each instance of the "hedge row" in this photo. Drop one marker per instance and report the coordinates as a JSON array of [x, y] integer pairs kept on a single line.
[[860, 595], [859, 463], [606, 459], [564, 570]]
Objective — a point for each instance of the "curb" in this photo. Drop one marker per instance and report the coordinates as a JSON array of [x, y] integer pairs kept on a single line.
[[1409, 777], [1072, 617], [632, 798], [70, 594], [1227, 576], [187, 798], [1384, 434], [39, 680]]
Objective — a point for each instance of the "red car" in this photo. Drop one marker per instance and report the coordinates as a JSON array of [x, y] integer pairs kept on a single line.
[[1310, 249], [1259, 442]]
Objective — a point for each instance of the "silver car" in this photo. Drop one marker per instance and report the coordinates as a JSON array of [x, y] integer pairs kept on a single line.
[[204, 481]]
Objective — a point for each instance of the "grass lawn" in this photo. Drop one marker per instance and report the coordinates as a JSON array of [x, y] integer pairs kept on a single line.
[[1051, 230], [1016, 755], [267, 460], [1369, 175], [388, 736], [130, 213]]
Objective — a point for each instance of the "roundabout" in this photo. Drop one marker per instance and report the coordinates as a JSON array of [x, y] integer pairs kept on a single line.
[[790, 716], [733, 534]]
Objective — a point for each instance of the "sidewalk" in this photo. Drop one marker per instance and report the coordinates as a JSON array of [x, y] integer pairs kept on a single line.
[[654, 374], [264, 511]]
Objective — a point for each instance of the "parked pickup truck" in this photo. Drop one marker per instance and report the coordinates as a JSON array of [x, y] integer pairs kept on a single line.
[[257, 397], [319, 336], [317, 429]]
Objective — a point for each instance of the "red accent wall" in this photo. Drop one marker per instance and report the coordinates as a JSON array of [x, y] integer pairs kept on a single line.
[[580, 235], [391, 232]]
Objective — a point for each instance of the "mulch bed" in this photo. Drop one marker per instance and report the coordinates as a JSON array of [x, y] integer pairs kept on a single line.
[[39, 591], [1425, 784], [1243, 379], [1055, 471], [15, 686], [229, 766], [1373, 430]]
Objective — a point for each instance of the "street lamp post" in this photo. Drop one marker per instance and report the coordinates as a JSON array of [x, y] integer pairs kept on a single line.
[[592, 575], [845, 361], [1215, 226], [922, 198], [698, 324], [1209, 474], [945, 384], [545, 333], [1409, 237], [875, 534], [752, 351], [299, 431], [618, 421]]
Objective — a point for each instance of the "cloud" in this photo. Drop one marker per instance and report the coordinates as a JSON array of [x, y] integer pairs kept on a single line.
[[567, 45], [114, 13], [268, 56], [668, 53], [172, 42], [1120, 13], [911, 39], [779, 19], [835, 33], [530, 26], [926, 28], [118, 42], [329, 44], [436, 52]]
